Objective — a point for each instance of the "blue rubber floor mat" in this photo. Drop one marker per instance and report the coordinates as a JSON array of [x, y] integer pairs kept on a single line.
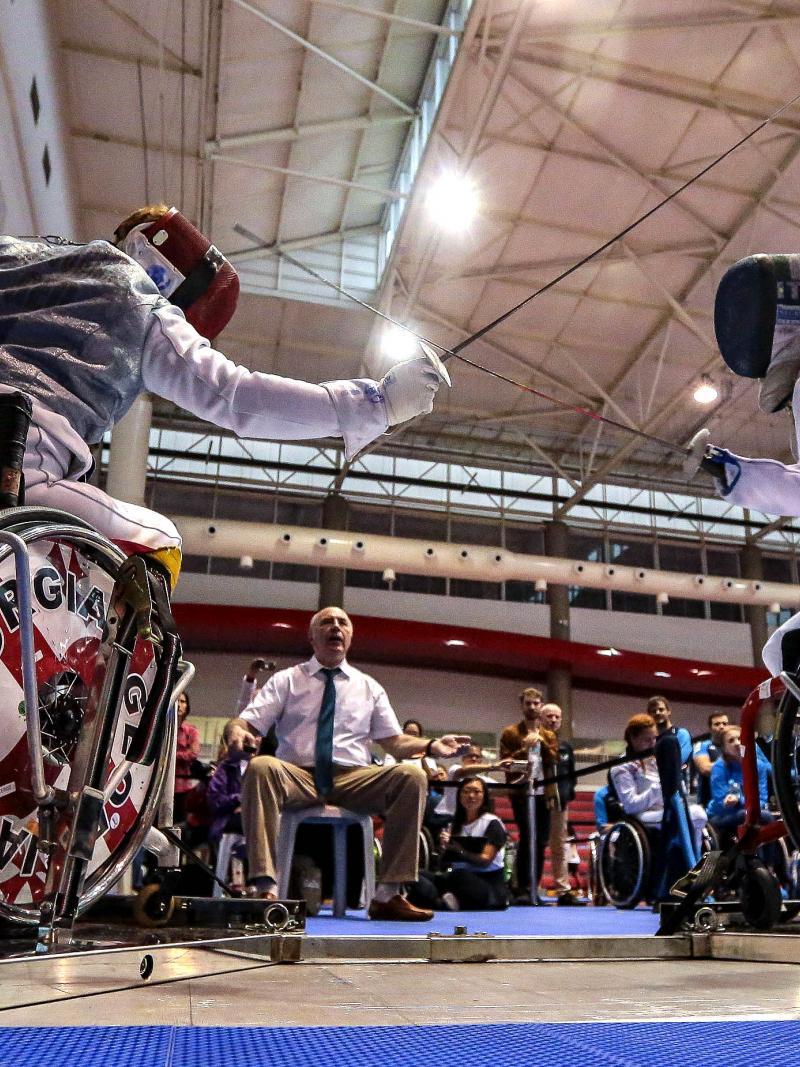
[[549, 921], [723, 1044]]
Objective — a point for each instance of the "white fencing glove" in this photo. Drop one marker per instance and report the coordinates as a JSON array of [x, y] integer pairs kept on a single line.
[[409, 389]]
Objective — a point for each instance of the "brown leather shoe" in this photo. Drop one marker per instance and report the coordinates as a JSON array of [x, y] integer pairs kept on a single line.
[[398, 910]]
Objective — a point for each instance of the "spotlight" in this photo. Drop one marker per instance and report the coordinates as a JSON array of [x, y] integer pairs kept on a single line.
[[452, 202], [706, 392], [775, 608], [398, 344], [662, 598], [540, 585], [246, 563], [389, 576]]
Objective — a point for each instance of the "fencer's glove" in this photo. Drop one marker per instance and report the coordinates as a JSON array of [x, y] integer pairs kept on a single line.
[[409, 389], [713, 463]]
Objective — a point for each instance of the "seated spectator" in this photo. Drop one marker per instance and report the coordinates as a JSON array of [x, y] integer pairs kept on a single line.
[[433, 772], [474, 853], [637, 783], [726, 809], [601, 817], [187, 751], [472, 764], [706, 753], [224, 792]]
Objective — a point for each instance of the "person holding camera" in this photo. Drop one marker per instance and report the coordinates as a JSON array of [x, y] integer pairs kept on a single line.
[[224, 792]]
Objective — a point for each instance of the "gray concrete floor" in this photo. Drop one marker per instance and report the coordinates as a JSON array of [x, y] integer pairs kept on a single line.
[[370, 994]]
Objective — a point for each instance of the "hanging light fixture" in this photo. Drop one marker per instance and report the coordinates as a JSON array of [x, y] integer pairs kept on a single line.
[[706, 392]]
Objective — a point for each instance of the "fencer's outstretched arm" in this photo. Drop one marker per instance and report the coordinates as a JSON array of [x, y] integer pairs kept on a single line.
[[762, 484], [181, 366]]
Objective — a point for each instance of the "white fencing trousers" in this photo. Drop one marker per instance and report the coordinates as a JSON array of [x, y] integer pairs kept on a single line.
[[130, 526]]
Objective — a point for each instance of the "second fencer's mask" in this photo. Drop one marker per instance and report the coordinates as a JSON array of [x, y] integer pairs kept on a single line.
[[186, 269]]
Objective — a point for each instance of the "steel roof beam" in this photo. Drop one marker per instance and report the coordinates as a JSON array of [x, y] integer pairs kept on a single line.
[[306, 130], [653, 82], [323, 179], [658, 24], [393, 17], [317, 51], [173, 66]]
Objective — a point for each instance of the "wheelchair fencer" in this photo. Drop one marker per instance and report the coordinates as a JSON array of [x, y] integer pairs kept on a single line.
[[90, 667]]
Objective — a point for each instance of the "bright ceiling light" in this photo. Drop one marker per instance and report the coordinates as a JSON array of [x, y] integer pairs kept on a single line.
[[452, 202], [608, 652], [398, 344], [706, 392]]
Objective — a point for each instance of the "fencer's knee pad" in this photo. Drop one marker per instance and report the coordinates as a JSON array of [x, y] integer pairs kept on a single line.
[[757, 310]]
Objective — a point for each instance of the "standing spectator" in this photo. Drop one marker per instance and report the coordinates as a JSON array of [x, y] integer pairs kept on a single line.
[[658, 709], [530, 741], [552, 717], [706, 753], [186, 752]]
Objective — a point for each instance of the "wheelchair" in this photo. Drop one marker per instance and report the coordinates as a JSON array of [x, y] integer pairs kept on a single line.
[[89, 661], [625, 856], [624, 862]]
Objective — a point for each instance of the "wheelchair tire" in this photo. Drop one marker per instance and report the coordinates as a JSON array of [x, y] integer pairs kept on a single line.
[[73, 569], [426, 849], [786, 765], [760, 897], [623, 865]]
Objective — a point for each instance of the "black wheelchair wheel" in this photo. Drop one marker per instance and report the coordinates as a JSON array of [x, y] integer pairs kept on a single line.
[[709, 840], [760, 897], [426, 848], [624, 864], [786, 765]]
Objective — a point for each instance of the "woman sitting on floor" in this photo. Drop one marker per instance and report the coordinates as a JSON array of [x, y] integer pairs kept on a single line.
[[474, 855]]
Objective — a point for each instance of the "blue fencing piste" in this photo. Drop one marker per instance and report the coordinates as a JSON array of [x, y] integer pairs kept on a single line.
[[649, 1044]]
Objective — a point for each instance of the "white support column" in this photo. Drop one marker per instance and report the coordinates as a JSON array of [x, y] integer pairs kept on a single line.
[[130, 444]]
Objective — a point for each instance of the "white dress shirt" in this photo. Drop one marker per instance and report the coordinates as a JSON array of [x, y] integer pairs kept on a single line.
[[292, 698]]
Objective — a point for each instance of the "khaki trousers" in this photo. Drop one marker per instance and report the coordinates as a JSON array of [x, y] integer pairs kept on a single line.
[[398, 793], [558, 859]]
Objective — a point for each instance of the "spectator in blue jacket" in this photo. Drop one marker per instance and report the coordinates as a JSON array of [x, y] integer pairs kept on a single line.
[[727, 807], [224, 791]]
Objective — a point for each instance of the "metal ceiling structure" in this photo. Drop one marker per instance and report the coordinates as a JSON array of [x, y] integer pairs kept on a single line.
[[320, 125]]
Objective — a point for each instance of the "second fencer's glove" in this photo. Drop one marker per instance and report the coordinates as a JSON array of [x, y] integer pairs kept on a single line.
[[714, 462], [409, 389]]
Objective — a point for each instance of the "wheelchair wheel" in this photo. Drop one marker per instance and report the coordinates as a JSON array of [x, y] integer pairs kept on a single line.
[[786, 765], [709, 840], [623, 865], [73, 569], [425, 848], [760, 897]]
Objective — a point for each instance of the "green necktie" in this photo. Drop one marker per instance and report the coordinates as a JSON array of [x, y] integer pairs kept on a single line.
[[323, 750]]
